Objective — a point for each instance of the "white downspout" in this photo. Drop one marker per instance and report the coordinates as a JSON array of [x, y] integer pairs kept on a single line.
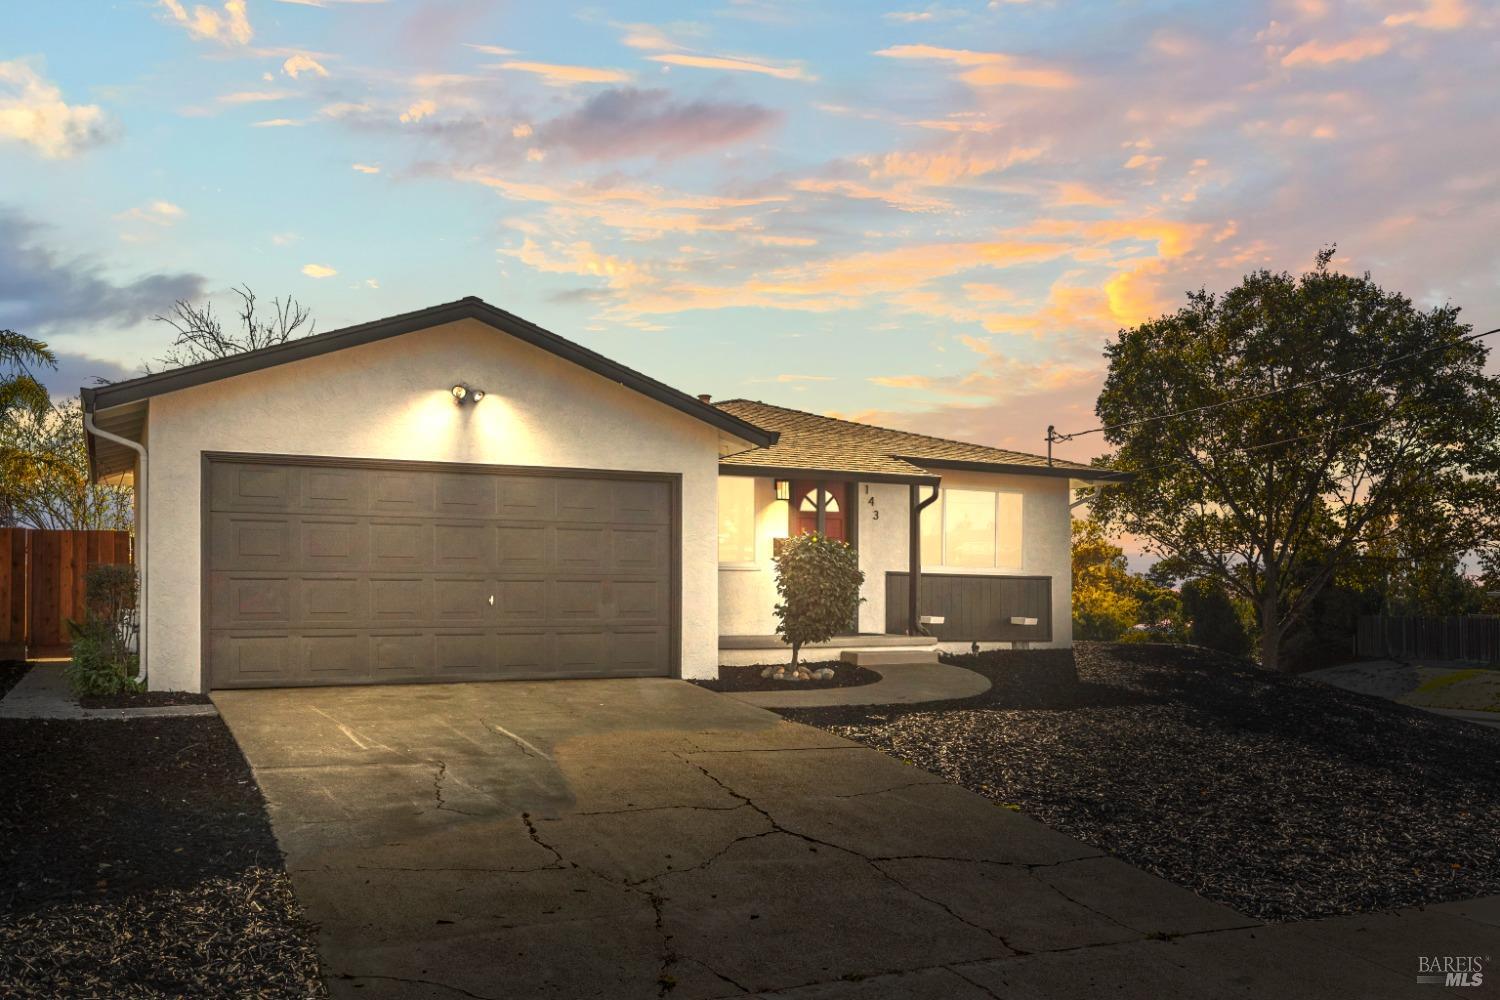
[[140, 532]]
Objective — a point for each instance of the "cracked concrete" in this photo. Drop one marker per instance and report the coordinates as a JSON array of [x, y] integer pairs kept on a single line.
[[647, 838]]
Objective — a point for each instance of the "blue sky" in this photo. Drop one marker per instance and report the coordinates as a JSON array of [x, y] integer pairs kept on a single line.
[[926, 216]]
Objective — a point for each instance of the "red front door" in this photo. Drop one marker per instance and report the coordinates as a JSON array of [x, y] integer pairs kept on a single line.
[[805, 509]]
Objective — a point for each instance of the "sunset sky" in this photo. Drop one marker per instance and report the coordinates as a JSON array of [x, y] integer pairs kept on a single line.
[[929, 216]]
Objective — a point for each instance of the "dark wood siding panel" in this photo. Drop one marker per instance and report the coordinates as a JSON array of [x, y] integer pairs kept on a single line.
[[976, 608]]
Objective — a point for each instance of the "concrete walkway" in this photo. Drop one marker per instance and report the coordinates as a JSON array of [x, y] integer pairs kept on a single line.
[[44, 694], [1439, 688], [647, 838], [899, 684]]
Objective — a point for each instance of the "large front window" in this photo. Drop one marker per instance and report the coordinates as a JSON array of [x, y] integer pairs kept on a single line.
[[736, 520], [973, 529]]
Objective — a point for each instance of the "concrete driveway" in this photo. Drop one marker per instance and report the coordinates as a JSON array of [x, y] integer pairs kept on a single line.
[[647, 838]]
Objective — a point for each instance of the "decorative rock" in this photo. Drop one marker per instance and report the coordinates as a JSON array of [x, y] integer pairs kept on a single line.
[[767, 671]]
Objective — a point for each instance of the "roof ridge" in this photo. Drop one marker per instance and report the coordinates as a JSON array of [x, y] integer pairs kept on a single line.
[[893, 430]]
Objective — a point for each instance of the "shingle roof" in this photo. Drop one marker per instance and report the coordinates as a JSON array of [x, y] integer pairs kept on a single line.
[[827, 444]]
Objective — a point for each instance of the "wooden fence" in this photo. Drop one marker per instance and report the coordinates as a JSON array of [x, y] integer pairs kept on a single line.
[[1472, 638], [41, 584]]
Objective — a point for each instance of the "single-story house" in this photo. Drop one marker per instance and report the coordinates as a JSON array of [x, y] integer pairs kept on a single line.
[[458, 494]]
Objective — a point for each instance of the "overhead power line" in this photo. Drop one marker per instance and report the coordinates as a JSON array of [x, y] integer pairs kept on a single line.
[[1054, 437]]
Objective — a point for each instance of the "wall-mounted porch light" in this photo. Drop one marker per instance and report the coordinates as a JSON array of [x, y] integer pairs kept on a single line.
[[463, 392], [783, 489]]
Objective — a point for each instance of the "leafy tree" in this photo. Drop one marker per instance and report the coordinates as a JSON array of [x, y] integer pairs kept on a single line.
[[1278, 431], [201, 335], [1215, 623], [22, 398], [1104, 602], [818, 580], [48, 485]]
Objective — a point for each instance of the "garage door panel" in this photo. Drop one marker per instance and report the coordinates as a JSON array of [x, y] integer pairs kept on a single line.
[[333, 658], [639, 550], [521, 600], [524, 653], [401, 545], [394, 491], [580, 548], [334, 490], [527, 498], [460, 601], [333, 602], [406, 599], [251, 542], [577, 599], [464, 495], [332, 545], [463, 547], [523, 548], [251, 659], [640, 503], [638, 652], [640, 601], [459, 653], [251, 486], [400, 656], [352, 574], [587, 500], [250, 600]]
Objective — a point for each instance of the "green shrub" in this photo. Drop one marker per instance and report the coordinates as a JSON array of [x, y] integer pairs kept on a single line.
[[100, 665], [818, 580], [102, 661]]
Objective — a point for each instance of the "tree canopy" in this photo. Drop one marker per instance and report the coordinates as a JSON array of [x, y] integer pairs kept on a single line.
[[1284, 431], [201, 335], [22, 399]]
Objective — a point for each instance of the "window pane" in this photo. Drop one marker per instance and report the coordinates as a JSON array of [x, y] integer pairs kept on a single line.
[[932, 532], [1010, 531], [736, 519], [968, 528]]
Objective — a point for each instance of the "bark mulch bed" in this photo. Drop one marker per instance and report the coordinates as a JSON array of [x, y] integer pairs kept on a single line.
[[136, 859], [143, 699], [749, 679], [1279, 796], [11, 672]]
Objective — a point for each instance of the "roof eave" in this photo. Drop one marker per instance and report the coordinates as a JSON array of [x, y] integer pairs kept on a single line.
[[1018, 468], [837, 475]]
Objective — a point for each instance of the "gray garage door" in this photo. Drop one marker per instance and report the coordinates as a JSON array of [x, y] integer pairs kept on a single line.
[[376, 573]]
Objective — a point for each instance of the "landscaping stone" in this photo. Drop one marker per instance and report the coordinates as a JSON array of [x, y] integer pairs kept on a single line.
[[1281, 797]]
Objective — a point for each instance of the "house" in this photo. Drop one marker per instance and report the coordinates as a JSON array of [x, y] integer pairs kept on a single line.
[[458, 494]]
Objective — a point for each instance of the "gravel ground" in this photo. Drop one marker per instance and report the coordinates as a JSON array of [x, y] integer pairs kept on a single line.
[[1281, 797], [11, 672], [749, 678], [136, 860]]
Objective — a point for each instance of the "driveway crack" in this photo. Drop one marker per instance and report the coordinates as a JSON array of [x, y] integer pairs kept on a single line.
[[421, 982]]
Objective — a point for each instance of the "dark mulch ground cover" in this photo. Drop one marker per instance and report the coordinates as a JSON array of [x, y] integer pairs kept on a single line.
[[749, 678], [136, 859], [11, 671], [1278, 796], [143, 699]]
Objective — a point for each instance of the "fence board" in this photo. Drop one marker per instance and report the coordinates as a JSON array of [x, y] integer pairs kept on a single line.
[[43, 583], [1471, 638]]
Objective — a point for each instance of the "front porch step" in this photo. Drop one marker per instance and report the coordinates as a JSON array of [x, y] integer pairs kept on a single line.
[[885, 657]]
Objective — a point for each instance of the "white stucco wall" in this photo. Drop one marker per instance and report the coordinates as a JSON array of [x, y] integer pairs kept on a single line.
[[391, 400], [746, 596]]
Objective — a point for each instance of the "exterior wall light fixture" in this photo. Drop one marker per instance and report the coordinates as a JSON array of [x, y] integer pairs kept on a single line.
[[462, 393], [783, 489]]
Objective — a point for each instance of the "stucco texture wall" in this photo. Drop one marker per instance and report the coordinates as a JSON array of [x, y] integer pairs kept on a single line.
[[391, 400]]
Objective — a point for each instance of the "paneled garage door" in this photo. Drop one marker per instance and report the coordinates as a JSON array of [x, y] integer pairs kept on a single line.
[[372, 573]]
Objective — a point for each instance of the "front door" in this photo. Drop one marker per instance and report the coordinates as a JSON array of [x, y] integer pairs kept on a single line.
[[805, 509]]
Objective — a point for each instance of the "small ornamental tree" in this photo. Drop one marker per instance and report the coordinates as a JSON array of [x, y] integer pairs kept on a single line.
[[818, 581]]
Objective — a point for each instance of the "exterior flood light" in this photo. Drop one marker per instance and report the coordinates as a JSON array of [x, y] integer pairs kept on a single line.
[[459, 392], [783, 489], [476, 394], [463, 393]]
